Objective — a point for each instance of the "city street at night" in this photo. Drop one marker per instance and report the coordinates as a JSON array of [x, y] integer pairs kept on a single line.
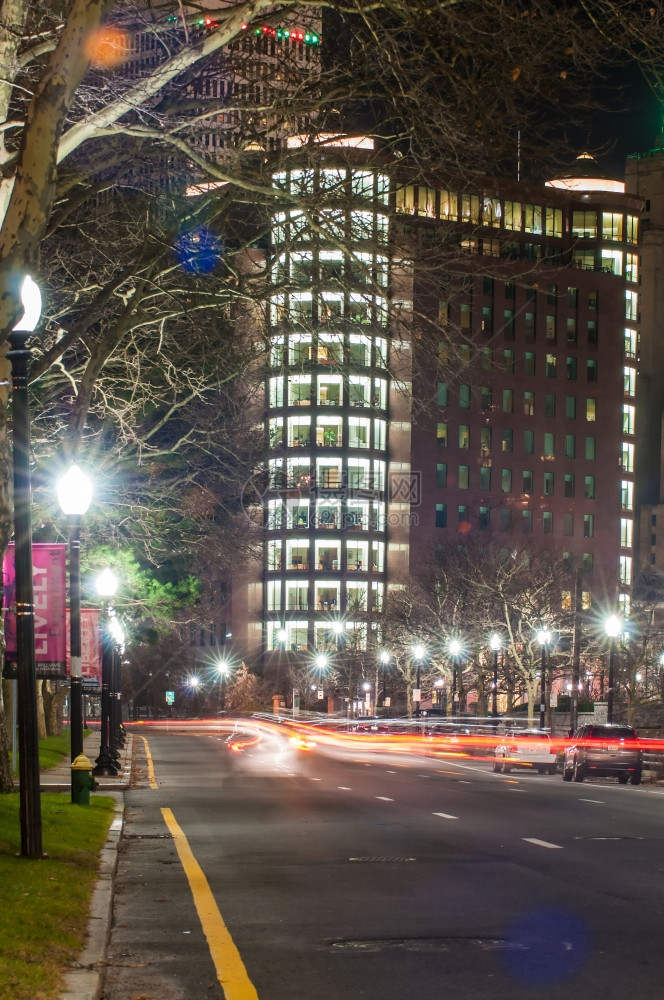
[[338, 870]]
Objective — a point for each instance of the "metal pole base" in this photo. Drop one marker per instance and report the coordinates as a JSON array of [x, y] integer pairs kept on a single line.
[[106, 767]]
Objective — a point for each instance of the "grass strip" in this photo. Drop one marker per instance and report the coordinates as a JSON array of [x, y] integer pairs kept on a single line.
[[53, 749], [44, 905]]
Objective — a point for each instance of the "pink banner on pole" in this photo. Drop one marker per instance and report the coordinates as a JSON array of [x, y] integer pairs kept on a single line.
[[90, 647], [49, 581]]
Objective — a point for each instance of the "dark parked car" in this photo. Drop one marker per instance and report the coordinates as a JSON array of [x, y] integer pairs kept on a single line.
[[606, 750]]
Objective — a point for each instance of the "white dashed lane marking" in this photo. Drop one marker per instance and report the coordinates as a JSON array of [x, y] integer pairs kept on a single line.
[[344, 788], [542, 843], [444, 815], [598, 802], [384, 798]]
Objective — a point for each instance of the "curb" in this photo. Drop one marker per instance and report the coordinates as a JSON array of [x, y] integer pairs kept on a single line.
[[85, 980]]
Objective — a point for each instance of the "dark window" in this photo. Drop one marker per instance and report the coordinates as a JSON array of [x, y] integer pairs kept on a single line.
[[485, 477], [570, 407], [571, 369], [571, 331], [505, 519], [442, 394], [529, 363], [441, 515], [568, 524], [589, 487], [441, 474], [484, 518], [550, 405], [507, 440], [569, 484], [464, 397], [528, 442], [572, 297], [548, 484], [527, 478], [591, 371]]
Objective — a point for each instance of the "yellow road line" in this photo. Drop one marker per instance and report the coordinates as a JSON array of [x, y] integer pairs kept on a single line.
[[230, 969], [151, 777]]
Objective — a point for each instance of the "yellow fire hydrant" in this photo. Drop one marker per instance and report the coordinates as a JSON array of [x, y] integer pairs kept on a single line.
[[82, 782]]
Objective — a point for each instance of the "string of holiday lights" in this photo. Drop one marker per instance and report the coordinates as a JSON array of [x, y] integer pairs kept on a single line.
[[294, 35]]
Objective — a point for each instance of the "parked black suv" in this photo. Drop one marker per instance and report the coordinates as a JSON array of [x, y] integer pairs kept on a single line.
[[605, 750]]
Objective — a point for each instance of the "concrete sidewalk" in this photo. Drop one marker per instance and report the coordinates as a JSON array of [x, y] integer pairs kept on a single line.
[[85, 980], [58, 779]]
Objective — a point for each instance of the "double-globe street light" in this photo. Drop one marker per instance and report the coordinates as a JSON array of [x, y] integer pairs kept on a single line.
[[26, 671], [107, 585], [74, 491], [612, 627]]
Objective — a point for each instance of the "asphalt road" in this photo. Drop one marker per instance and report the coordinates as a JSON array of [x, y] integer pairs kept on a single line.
[[384, 876]]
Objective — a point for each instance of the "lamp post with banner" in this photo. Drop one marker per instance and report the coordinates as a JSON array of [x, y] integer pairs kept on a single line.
[[74, 491], [105, 763], [28, 732]]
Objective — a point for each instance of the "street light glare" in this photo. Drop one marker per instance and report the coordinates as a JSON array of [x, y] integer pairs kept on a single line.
[[321, 662], [455, 647], [543, 636], [418, 652], [385, 657], [222, 668], [107, 583], [31, 302], [612, 626], [495, 641], [74, 490]]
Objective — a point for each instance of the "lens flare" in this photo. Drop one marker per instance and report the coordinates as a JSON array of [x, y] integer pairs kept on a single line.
[[107, 47]]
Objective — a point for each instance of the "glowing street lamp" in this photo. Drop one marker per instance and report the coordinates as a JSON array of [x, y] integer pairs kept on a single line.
[[74, 491], [543, 637], [223, 669], [612, 627], [454, 648], [419, 653], [26, 670], [107, 584], [494, 642]]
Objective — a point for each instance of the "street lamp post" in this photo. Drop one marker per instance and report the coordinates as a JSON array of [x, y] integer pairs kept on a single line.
[[105, 763], [74, 492], [28, 733], [384, 660], [612, 628], [115, 694], [418, 653], [543, 637], [455, 651], [223, 668], [439, 684], [495, 646]]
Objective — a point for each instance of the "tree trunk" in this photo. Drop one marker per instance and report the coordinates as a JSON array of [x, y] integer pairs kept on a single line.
[[41, 720], [6, 782], [54, 699]]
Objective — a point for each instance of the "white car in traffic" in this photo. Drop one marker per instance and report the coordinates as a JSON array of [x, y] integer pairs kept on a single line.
[[525, 748]]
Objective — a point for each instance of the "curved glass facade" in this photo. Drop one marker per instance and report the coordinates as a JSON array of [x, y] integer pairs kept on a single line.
[[327, 410]]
